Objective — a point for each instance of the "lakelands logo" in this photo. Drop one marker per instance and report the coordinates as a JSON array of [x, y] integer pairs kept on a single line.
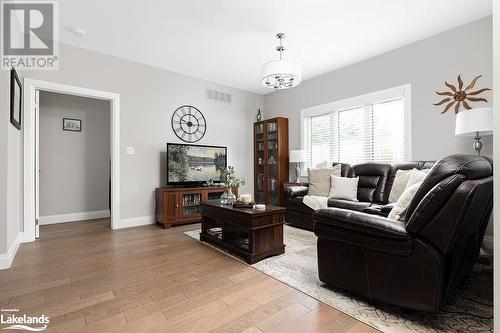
[[30, 34], [16, 321]]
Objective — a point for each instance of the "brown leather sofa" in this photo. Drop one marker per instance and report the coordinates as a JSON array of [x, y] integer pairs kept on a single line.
[[375, 183], [420, 262]]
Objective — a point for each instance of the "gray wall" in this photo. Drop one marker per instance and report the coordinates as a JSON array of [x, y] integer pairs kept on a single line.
[[74, 165], [14, 182], [148, 97], [426, 64], [10, 170]]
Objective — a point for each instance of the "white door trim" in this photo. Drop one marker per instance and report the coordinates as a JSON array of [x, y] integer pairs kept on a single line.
[[29, 88]]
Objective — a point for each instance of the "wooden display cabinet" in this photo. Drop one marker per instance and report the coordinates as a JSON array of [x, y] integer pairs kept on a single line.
[[270, 160]]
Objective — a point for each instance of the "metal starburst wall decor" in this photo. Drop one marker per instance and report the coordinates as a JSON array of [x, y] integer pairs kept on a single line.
[[461, 96]]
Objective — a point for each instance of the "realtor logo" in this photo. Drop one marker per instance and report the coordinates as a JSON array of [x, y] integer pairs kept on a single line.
[[30, 32], [10, 319]]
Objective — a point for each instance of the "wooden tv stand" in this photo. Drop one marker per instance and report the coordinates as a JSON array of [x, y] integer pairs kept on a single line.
[[181, 205]]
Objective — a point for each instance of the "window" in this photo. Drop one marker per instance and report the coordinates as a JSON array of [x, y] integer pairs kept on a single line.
[[372, 127], [320, 140]]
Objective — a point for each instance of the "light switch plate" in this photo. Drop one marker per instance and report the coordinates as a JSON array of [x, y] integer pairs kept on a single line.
[[130, 150]]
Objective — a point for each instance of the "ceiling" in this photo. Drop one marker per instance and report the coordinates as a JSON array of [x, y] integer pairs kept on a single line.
[[226, 41]]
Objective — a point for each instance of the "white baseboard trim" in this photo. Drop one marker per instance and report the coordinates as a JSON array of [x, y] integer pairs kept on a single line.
[[7, 258], [136, 221], [63, 218], [488, 242]]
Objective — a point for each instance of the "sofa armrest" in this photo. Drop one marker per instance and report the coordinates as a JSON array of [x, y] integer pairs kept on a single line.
[[359, 222], [295, 191]]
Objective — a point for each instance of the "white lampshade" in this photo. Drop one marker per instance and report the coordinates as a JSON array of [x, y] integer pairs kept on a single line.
[[298, 156], [469, 122], [281, 74]]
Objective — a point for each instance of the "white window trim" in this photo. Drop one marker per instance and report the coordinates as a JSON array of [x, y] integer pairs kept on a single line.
[[403, 91]]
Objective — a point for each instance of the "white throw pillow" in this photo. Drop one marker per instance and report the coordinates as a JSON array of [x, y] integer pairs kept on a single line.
[[399, 184], [416, 176], [319, 180], [398, 212], [344, 188]]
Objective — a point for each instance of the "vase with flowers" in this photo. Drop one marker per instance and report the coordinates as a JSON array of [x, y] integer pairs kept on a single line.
[[230, 181]]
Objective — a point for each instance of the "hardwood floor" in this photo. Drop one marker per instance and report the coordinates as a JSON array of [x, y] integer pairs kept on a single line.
[[87, 278]]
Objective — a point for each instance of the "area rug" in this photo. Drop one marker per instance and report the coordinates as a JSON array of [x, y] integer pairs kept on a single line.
[[471, 310]]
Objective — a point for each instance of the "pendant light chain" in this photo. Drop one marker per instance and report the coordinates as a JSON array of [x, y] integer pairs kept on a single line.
[[281, 48]]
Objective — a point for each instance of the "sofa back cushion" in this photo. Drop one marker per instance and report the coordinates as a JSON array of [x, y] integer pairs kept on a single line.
[[433, 201], [469, 166], [372, 181]]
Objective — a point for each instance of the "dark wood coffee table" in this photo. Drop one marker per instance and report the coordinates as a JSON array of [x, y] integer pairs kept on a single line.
[[249, 233]]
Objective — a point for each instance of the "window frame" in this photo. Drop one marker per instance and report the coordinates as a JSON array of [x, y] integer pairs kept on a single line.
[[403, 92]]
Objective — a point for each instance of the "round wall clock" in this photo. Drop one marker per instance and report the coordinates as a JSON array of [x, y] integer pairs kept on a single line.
[[189, 123]]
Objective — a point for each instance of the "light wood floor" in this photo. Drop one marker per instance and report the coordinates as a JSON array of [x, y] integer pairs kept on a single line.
[[87, 278]]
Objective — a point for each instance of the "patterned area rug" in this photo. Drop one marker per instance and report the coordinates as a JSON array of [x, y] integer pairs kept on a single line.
[[471, 310]]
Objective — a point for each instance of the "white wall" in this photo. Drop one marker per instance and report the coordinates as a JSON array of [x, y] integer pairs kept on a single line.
[[74, 166], [148, 97], [426, 64]]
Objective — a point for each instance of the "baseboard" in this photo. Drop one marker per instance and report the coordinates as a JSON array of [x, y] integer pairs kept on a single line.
[[136, 221], [63, 218], [488, 242], [7, 258]]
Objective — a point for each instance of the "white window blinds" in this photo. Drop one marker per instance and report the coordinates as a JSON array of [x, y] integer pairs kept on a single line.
[[320, 144], [369, 132]]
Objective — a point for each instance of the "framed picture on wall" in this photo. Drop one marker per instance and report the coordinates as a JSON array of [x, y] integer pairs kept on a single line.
[[16, 94], [73, 125]]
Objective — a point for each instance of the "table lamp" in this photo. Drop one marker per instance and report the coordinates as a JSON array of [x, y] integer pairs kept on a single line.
[[297, 157], [474, 123]]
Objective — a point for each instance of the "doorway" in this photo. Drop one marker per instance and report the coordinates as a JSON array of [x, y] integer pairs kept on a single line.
[[73, 153], [31, 90]]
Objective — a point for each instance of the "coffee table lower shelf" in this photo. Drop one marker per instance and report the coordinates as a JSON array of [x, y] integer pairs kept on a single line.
[[234, 248], [262, 230]]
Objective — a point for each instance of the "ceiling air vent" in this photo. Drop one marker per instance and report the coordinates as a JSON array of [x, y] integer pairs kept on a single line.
[[218, 95]]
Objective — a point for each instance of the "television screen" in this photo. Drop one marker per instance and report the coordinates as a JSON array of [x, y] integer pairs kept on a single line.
[[193, 164]]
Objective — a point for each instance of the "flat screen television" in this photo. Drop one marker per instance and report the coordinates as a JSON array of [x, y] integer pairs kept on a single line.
[[192, 165]]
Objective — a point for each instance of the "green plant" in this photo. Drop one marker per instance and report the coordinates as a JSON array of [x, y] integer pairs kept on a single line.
[[227, 177]]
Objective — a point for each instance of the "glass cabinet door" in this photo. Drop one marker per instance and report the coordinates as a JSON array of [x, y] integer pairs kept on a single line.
[[190, 205], [260, 163], [272, 163]]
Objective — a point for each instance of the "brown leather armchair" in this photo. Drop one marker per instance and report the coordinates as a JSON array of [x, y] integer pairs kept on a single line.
[[417, 263]]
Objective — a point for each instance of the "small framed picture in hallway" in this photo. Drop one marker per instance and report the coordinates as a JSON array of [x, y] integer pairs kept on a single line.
[[74, 125]]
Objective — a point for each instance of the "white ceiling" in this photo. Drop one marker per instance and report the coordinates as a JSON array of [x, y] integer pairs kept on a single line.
[[226, 41]]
